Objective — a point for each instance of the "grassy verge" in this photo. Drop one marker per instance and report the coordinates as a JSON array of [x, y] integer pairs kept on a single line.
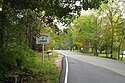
[[39, 56], [104, 56], [124, 59], [47, 72]]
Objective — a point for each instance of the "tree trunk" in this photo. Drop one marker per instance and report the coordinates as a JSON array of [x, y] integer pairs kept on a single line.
[[121, 40], [112, 43], [3, 17], [123, 48], [96, 49], [30, 38], [3, 26], [122, 56], [106, 51]]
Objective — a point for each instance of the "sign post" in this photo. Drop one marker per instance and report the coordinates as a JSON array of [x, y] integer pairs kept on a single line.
[[43, 53], [43, 39]]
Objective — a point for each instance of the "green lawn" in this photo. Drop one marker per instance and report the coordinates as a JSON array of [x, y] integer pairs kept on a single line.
[[104, 56]]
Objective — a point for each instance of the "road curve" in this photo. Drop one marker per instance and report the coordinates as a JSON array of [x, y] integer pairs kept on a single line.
[[89, 69]]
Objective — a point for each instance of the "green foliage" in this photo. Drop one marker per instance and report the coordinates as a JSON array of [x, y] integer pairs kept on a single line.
[[21, 20], [85, 32], [46, 72], [87, 27], [64, 40], [13, 60]]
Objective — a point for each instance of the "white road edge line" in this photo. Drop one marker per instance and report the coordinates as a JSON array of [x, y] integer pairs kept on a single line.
[[66, 74]]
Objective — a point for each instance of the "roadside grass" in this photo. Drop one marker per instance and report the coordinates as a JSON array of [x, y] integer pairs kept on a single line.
[[47, 71], [124, 59], [52, 57], [104, 56]]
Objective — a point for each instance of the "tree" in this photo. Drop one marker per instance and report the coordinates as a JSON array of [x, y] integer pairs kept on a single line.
[[84, 30], [112, 13], [52, 8], [21, 20]]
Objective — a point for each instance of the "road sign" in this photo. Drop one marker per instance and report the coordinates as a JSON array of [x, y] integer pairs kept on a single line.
[[42, 39]]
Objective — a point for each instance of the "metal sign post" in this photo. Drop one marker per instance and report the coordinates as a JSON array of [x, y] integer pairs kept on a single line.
[[43, 39], [43, 53]]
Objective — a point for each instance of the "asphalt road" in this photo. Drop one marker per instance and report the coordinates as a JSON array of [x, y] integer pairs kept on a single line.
[[89, 69]]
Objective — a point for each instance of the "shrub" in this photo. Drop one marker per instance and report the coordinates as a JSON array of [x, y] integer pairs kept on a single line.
[[13, 60], [46, 72]]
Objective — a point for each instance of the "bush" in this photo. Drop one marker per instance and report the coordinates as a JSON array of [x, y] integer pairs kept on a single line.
[[20, 61], [15, 60], [46, 72]]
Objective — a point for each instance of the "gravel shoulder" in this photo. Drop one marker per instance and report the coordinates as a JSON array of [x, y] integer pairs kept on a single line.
[[58, 61]]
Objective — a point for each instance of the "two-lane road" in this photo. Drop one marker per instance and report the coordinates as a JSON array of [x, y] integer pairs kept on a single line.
[[90, 69]]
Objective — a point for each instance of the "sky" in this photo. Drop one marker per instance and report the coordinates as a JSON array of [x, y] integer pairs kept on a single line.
[[59, 24], [0, 9]]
